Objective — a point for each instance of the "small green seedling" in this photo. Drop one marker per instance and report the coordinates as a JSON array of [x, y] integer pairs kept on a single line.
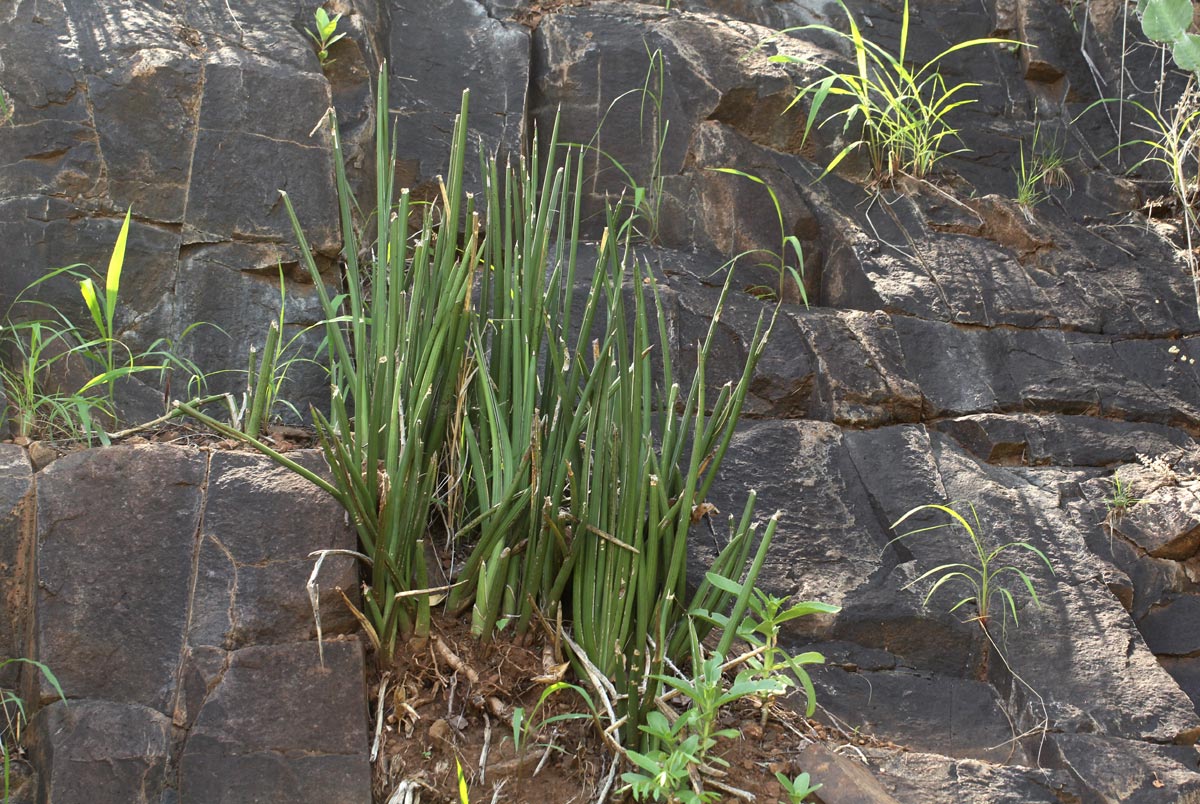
[[1043, 169], [326, 34], [982, 577], [1121, 500], [760, 631], [525, 727], [797, 789]]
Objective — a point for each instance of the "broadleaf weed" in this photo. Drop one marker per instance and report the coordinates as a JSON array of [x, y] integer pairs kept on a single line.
[[325, 34], [797, 789], [761, 630]]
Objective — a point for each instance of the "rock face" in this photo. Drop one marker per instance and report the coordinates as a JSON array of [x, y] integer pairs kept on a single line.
[[957, 347], [16, 557], [170, 603]]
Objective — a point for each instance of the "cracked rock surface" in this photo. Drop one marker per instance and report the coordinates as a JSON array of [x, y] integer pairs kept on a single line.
[[169, 599], [956, 347]]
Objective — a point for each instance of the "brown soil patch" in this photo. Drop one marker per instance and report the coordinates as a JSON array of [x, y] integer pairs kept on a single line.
[[434, 714]]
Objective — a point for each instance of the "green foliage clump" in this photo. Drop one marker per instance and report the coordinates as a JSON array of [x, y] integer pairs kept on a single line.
[[41, 342], [902, 112], [474, 396], [1042, 170], [499, 382]]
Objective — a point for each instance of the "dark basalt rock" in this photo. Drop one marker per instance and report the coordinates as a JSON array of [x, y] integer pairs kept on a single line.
[[934, 779], [171, 590], [114, 568], [238, 747], [100, 751], [435, 51], [959, 347], [1060, 440]]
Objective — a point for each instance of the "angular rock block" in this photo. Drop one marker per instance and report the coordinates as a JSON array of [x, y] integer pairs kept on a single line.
[[116, 539], [783, 382], [841, 492], [145, 549], [711, 72], [1165, 524], [171, 588], [803, 468], [1115, 771], [979, 263], [1033, 440], [100, 751], [261, 522], [862, 377], [1172, 627], [248, 147], [275, 727], [920, 778], [926, 712], [436, 50], [969, 370], [843, 781], [175, 112]]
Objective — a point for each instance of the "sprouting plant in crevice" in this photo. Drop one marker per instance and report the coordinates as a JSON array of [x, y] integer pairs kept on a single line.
[[983, 578], [903, 111], [1171, 140], [1121, 500], [1117, 504], [1041, 171], [787, 243], [985, 582], [325, 35], [645, 193]]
